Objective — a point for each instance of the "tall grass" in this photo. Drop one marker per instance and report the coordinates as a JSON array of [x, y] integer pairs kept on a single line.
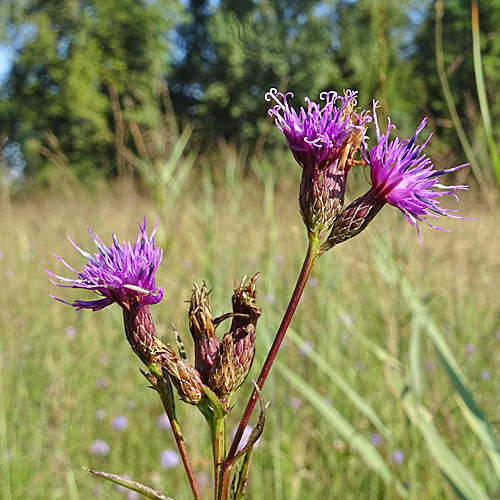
[[225, 225]]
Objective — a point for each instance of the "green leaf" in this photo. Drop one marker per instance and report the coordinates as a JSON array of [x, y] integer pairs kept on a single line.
[[131, 485]]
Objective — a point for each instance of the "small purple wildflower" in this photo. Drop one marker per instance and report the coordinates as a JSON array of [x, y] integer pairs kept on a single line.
[[163, 422], [119, 423], [404, 177], [169, 459], [202, 479], [485, 375], [376, 439], [294, 402], [70, 332], [313, 282], [306, 347], [99, 447], [270, 298], [430, 365], [323, 140], [398, 457], [101, 383], [100, 414], [121, 274], [470, 348], [244, 438]]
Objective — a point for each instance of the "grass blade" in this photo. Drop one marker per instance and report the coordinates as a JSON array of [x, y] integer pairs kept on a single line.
[[359, 402], [481, 91], [457, 474], [362, 445]]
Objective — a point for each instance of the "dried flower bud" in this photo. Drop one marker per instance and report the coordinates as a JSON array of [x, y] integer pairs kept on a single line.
[[202, 330], [237, 349], [185, 378], [244, 303]]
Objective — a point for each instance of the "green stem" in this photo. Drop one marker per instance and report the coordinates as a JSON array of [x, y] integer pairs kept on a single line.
[[167, 399], [219, 445], [309, 261]]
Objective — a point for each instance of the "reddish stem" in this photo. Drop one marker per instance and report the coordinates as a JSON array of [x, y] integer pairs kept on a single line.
[[310, 259]]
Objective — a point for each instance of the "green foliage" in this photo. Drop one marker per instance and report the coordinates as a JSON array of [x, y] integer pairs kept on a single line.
[[84, 81]]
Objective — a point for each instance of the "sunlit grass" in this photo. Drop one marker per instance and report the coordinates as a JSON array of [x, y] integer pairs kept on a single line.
[[223, 228]]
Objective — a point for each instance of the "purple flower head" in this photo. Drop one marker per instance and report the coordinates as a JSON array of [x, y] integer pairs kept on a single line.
[[119, 423], [404, 177], [169, 459], [124, 274], [99, 447], [324, 140], [398, 457], [317, 137]]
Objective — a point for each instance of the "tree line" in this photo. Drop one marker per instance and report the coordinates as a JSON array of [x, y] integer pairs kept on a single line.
[[107, 87]]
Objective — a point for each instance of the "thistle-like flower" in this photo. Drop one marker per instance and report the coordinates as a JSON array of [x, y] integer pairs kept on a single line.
[[122, 274], [402, 176], [324, 141]]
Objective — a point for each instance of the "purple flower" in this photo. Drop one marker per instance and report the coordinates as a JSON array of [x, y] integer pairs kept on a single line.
[[70, 332], [306, 347], [404, 177], [124, 274], [294, 402], [119, 423], [169, 459], [245, 437], [323, 140], [398, 457], [99, 447], [100, 414], [485, 375], [470, 349], [376, 439], [163, 422]]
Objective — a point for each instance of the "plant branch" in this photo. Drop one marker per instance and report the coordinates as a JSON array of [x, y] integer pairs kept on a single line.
[[309, 261]]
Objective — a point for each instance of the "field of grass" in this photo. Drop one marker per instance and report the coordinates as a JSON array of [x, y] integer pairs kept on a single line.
[[66, 375]]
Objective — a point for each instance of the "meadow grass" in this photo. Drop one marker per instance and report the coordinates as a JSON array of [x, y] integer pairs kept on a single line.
[[225, 226]]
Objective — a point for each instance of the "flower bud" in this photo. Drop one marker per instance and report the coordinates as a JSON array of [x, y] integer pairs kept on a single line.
[[202, 330], [237, 349], [185, 378], [139, 330]]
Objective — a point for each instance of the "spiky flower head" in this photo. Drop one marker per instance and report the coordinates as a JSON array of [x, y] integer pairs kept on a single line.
[[402, 176], [122, 274], [324, 141]]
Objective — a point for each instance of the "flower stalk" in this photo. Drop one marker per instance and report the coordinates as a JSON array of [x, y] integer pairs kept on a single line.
[[164, 389], [312, 254]]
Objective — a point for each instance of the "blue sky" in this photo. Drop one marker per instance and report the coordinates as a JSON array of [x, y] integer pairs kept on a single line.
[[6, 56]]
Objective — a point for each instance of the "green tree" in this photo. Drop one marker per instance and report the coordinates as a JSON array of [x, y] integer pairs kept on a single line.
[[84, 78]]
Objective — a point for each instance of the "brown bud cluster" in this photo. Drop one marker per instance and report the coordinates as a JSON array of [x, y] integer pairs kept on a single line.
[[221, 366]]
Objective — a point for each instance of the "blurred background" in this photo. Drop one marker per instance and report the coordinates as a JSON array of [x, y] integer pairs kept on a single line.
[[387, 386]]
